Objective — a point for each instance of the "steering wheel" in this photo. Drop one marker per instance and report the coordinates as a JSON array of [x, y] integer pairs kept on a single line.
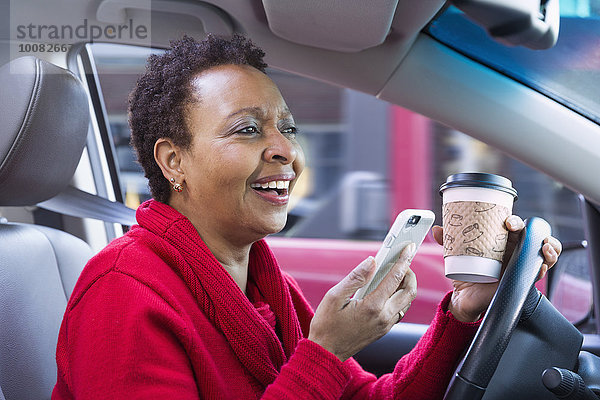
[[516, 298]]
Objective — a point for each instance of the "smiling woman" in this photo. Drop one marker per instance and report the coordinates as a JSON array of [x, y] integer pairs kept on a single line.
[[238, 141], [191, 303]]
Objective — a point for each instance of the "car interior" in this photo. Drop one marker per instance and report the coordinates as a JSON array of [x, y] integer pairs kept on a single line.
[[59, 187]]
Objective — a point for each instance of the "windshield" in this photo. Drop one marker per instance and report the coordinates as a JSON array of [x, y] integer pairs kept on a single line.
[[568, 73]]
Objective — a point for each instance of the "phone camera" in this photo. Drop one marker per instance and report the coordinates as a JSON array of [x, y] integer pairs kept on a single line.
[[413, 220]]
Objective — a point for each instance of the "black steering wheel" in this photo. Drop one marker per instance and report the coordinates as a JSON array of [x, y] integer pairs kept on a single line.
[[515, 300]]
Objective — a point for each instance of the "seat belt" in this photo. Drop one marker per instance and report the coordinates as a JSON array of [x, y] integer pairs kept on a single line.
[[77, 203]]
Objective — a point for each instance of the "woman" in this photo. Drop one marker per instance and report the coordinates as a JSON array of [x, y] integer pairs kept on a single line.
[[192, 304]]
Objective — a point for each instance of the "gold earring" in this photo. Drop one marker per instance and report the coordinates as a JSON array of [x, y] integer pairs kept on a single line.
[[176, 186]]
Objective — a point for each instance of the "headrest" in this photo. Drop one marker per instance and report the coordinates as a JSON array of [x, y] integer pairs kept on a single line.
[[44, 119]]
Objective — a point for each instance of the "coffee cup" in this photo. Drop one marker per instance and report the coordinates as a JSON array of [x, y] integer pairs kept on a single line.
[[475, 208]]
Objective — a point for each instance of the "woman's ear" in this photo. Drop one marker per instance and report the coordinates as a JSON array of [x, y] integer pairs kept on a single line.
[[168, 157]]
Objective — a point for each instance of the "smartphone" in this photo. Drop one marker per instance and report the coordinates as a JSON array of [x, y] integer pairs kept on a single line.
[[409, 226]]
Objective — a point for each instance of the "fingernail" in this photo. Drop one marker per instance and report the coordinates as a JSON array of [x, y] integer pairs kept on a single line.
[[555, 243], [513, 221], [371, 261]]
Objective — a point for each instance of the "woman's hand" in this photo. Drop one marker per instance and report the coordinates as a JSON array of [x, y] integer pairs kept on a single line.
[[470, 300], [344, 326]]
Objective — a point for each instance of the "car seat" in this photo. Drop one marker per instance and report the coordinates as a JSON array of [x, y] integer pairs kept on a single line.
[[44, 120]]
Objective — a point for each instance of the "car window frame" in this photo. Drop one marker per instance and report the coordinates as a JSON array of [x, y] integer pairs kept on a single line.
[[101, 155]]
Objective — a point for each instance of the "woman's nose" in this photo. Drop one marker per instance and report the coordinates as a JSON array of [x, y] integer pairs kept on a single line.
[[279, 148]]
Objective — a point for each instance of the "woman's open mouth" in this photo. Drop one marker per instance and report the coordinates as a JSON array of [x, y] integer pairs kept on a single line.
[[275, 192]]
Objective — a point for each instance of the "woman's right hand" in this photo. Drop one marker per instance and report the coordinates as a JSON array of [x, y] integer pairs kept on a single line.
[[344, 326]]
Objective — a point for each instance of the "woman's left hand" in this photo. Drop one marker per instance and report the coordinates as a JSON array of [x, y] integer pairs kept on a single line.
[[470, 300]]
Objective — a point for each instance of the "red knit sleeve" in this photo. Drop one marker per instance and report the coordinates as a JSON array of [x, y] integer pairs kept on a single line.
[[123, 341], [424, 373], [311, 373]]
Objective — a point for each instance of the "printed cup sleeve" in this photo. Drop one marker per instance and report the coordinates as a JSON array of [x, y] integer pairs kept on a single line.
[[475, 228]]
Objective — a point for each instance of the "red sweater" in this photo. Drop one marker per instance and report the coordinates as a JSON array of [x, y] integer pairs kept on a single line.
[[155, 316]]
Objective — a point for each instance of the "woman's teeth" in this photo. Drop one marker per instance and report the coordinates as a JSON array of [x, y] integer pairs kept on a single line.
[[271, 185]]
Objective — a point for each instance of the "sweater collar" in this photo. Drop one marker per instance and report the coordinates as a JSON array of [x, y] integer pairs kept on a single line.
[[251, 337]]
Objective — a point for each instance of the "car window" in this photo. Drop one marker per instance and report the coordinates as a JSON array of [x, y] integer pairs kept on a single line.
[[569, 72], [367, 160], [571, 289]]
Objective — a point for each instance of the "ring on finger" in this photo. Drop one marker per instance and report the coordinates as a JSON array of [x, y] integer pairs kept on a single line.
[[403, 312]]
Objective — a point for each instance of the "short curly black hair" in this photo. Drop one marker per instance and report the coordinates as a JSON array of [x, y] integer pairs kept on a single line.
[[158, 102]]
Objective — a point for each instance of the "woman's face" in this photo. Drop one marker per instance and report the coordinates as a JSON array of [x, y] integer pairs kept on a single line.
[[244, 158]]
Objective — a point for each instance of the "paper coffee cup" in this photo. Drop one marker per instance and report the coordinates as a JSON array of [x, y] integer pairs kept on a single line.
[[475, 208]]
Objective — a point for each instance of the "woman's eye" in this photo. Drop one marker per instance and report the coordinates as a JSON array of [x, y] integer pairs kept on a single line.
[[249, 130], [292, 130]]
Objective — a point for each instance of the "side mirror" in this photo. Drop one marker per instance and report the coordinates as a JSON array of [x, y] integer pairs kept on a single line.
[[530, 23]]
